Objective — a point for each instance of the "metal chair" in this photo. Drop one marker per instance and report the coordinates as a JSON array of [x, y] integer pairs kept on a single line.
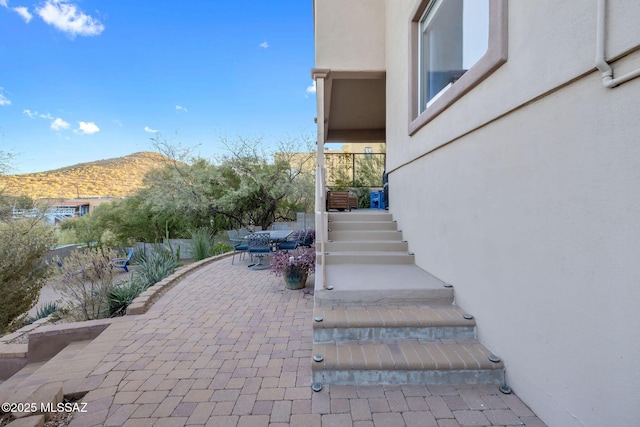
[[238, 243], [292, 243], [259, 245]]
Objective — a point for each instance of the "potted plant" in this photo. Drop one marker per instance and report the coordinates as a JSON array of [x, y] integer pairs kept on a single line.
[[294, 269]]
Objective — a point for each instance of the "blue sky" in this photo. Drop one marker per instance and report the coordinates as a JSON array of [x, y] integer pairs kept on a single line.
[[84, 80]]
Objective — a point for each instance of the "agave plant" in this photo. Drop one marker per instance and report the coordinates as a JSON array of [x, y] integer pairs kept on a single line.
[[45, 310]]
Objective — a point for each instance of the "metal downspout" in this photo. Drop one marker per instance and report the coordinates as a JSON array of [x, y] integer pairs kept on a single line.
[[601, 61]]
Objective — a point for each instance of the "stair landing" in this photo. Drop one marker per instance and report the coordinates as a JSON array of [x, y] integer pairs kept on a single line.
[[370, 284]]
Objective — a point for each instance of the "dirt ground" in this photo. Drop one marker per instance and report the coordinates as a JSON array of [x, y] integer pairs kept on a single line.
[[49, 294]]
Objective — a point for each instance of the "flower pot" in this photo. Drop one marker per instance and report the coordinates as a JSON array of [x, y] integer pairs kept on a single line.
[[295, 280]]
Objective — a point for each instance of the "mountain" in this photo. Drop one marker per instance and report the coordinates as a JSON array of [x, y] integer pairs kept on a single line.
[[115, 177]]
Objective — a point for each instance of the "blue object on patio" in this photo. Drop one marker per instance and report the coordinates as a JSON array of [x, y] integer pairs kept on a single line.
[[259, 246], [293, 243], [238, 243], [377, 200], [123, 262]]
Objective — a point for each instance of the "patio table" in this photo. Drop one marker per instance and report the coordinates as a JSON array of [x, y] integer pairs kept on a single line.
[[275, 237]]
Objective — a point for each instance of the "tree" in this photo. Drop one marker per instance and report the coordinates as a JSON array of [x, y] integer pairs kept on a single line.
[[247, 186], [23, 246]]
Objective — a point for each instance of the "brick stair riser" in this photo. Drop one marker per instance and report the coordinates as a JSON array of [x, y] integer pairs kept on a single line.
[[364, 226], [371, 258], [398, 377], [423, 333], [364, 235], [365, 246]]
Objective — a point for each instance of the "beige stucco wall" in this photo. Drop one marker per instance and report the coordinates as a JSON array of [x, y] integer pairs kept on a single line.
[[531, 206], [350, 35]]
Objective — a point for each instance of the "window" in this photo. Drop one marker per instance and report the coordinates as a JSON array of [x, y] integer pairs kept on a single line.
[[455, 45], [454, 35]]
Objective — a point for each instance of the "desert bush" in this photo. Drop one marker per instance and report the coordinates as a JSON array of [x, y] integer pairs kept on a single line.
[[202, 243], [155, 266], [85, 278], [23, 246], [121, 295]]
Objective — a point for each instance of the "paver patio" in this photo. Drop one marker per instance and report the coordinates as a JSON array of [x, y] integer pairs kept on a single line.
[[228, 346]]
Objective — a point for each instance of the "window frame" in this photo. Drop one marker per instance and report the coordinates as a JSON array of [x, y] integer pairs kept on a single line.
[[495, 56]]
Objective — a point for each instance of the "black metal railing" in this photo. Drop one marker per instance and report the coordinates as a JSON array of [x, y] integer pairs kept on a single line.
[[355, 170]]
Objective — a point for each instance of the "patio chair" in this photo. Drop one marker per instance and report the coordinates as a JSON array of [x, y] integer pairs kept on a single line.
[[123, 262], [307, 239], [259, 247], [292, 242], [238, 243]]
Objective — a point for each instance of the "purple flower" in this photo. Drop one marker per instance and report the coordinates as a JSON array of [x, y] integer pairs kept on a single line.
[[285, 263]]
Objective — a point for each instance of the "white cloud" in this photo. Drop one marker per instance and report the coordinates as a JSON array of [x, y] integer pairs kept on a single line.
[[66, 17], [3, 99], [34, 114], [181, 108], [87, 128], [59, 124], [148, 129], [24, 13], [4, 3], [264, 45], [312, 88], [118, 122]]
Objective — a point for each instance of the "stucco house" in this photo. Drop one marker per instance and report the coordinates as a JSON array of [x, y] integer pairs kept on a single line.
[[511, 132]]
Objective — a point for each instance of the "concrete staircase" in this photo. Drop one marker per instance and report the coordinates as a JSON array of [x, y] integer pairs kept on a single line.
[[382, 320]]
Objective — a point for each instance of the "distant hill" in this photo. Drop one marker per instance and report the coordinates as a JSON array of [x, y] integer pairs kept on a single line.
[[115, 177]]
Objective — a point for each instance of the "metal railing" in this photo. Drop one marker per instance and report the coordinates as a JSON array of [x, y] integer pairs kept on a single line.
[[354, 169], [34, 213], [322, 224]]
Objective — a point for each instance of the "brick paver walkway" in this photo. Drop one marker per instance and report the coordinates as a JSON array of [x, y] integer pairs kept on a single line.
[[228, 346]]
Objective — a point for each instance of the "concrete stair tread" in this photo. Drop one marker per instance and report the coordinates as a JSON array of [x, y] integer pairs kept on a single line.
[[364, 235], [404, 355], [366, 242], [377, 284], [390, 317], [361, 216], [353, 277], [369, 258], [369, 253]]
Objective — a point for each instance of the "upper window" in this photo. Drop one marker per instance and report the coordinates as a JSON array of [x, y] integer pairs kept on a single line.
[[454, 35], [455, 45]]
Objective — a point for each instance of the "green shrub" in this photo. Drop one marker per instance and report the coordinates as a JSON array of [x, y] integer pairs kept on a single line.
[[152, 268], [67, 236], [23, 246], [220, 248], [202, 243], [121, 295]]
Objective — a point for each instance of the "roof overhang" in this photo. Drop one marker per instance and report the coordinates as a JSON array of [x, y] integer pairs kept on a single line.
[[354, 105]]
